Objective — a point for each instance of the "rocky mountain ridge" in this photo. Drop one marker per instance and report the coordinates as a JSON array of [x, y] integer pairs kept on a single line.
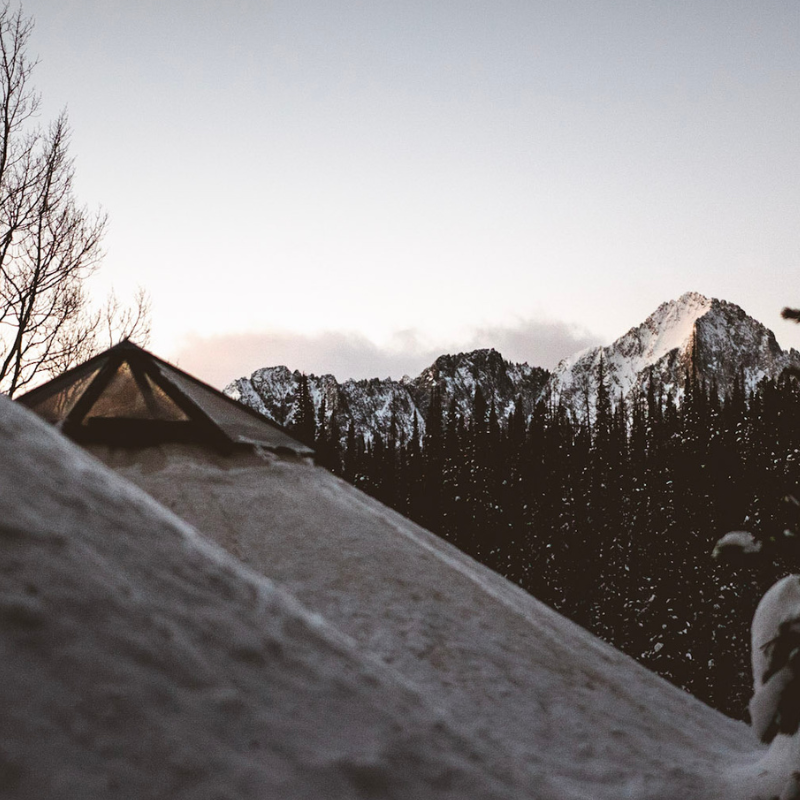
[[724, 343], [370, 404]]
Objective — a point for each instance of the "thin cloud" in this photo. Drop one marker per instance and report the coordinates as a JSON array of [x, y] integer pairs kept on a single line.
[[222, 358], [539, 343]]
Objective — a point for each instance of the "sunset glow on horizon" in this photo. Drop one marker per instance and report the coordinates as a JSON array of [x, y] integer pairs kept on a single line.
[[375, 183]]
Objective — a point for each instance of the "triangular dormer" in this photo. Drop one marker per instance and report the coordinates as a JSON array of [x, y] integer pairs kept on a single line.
[[127, 397]]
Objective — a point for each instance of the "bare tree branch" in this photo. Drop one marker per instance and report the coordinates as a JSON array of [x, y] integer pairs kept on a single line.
[[49, 245]]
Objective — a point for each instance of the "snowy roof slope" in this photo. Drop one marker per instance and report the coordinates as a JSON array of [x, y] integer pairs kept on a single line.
[[139, 661], [573, 716]]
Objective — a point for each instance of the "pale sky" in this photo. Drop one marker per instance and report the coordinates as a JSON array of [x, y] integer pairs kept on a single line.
[[357, 187]]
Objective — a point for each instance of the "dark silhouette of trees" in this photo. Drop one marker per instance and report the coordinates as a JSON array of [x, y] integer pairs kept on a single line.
[[303, 422], [611, 519]]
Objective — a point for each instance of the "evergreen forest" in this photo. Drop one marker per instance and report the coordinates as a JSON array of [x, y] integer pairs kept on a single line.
[[611, 521]]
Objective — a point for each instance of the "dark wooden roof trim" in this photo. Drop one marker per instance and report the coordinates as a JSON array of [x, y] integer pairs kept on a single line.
[[91, 393], [144, 387], [241, 406], [204, 422], [61, 382]]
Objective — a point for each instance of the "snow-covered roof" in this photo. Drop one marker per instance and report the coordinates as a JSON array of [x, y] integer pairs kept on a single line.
[[137, 660], [570, 716], [126, 396]]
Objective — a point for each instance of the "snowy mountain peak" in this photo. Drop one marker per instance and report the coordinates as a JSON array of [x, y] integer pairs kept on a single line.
[[669, 327], [672, 324], [715, 337], [691, 300]]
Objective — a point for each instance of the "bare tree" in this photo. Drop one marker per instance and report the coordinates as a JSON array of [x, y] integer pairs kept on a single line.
[[49, 246]]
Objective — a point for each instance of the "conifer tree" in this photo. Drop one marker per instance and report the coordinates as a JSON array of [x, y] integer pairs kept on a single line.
[[430, 505], [303, 424], [609, 518]]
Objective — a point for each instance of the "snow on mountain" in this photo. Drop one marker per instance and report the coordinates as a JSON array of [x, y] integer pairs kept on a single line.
[[501, 382], [370, 404], [724, 341]]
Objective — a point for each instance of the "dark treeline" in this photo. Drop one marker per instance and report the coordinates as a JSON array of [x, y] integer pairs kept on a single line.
[[611, 522]]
